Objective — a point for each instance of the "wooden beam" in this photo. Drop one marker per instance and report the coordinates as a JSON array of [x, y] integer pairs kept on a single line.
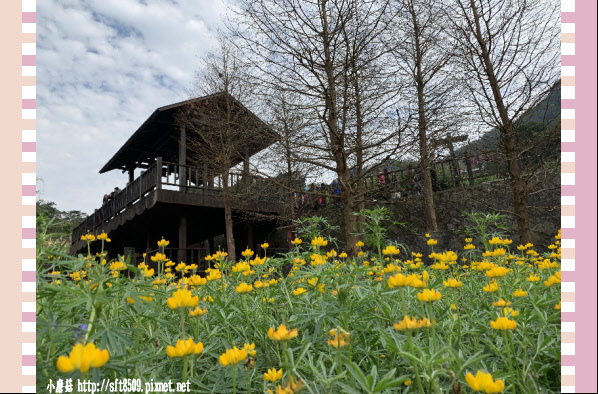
[[182, 159], [182, 238]]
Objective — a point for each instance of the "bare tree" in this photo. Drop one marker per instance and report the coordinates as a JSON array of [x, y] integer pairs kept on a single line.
[[423, 56], [320, 50], [510, 57], [220, 131]]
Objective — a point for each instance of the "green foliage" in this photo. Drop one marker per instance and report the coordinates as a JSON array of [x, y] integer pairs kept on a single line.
[[376, 223], [485, 226], [378, 359]]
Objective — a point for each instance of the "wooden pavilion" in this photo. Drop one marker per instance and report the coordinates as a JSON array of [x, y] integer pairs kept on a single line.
[[177, 193]]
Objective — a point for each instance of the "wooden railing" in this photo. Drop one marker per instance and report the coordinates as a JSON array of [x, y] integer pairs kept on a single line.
[[449, 173], [130, 195], [163, 174]]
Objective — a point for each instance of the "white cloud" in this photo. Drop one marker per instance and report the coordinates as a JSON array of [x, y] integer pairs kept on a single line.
[[103, 66]]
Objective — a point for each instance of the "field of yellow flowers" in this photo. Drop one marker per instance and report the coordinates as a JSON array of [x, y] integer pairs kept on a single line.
[[474, 321]]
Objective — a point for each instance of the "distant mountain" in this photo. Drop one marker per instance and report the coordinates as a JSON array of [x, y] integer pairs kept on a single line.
[[541, 117]]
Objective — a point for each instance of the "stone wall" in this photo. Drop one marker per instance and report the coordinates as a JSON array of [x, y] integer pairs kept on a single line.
[[451, 205]]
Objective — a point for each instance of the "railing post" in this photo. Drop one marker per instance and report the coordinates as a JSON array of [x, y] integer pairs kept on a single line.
[[469, 171], [205, 177], [158, 173]]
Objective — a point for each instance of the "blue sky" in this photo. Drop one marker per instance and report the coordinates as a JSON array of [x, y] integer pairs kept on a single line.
[[103, 66]]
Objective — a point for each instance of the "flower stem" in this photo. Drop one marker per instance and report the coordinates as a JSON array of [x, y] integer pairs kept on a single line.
[[234, 378], [417, 379], [185, 368]]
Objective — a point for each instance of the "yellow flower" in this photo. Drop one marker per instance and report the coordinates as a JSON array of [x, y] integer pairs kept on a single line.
[[510, 311], [533, 278], [163, 242], [147, 273], [425, 276], [408, 324], [556, 278], [117, 266], [182, 298], [269, 300], [501, 303], [103, 237], [88, 237], [408, 382], [469, 247], [82, 358], [282, 334], [244, 288], [184, 348], [429, 295], [232, 356], [339, 338], [503, 323], [208, 299], [454, 307], [519, 293], [432, 241], [131, 301], [299, 291], [483, 382], [497, 272], [491, 287], [468, 240], [273, 375], [391, 250], [250, 349], [558, 306], [318, 241], [343, 255], [452, 283], [399, 280], [247, 253], [291, 387], [158, 258], [427, 235], [297, 241], [196, 280], [197, 312], [359, 244], [213, 274], [265, 245], [317, 259]]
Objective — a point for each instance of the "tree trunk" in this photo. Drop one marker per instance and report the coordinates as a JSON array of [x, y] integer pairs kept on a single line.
[[228, 217], [428, 191], [508, 134]]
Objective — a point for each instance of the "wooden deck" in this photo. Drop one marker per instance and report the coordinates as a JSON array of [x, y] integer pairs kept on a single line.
[[182, 185]]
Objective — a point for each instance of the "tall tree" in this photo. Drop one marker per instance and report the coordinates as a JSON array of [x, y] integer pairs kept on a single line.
[[510, 60], [423, 56], [317, 49], [220, 130]]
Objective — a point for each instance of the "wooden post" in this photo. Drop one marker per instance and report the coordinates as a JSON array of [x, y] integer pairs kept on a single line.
[[212, 244], [159, 173], [182, 238], [205, 178], [131, 175], [454, 164], [183, 160], [246, 181], [469, 171], [250, 235]]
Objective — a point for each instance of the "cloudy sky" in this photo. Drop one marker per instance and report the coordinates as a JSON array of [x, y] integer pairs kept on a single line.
[[103, 66]]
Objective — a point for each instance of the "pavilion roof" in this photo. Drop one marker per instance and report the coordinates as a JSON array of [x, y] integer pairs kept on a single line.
[[158, 136]]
